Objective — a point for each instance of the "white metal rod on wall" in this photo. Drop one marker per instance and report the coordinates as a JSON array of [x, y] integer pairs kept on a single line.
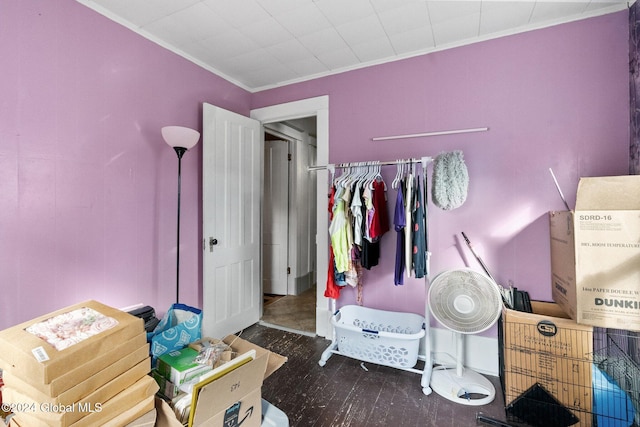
[[417, 135]]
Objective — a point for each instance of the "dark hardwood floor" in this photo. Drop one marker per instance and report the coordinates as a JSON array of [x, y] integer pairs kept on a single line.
[[342, 393]]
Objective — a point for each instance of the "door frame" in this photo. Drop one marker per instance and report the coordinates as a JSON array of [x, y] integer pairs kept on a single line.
[[318, 107], [287, 240]]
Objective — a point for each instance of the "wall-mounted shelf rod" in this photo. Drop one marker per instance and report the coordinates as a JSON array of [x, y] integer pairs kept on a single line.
[[418, 135], [424, 160]]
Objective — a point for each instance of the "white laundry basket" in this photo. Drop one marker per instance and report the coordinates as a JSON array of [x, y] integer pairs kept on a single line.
[[378, 336]]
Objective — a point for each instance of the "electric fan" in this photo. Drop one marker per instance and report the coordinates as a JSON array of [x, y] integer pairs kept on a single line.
[[467, 302]]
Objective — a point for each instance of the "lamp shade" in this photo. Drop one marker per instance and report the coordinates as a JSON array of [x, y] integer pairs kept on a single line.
[[179, 136]]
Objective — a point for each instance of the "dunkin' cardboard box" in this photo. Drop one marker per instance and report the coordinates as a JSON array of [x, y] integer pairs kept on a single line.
[[547, 349], [595, 253], [234, 398]]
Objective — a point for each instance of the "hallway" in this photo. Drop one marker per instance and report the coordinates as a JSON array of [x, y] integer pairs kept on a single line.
[[296, 313]]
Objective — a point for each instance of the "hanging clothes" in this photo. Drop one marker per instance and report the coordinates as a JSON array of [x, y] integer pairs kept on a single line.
[[332, 290], [419, 239], [380, 218], [408, 204], [370, 252], [399, 222], [337, 231]]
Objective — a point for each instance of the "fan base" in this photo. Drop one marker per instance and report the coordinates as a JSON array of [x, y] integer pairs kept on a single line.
[[469, 389]]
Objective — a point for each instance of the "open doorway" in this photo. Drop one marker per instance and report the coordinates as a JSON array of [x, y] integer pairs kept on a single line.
[[289, 225], [317, 107]]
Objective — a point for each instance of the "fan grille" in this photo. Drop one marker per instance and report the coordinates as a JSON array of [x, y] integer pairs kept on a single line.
[[465, 301]]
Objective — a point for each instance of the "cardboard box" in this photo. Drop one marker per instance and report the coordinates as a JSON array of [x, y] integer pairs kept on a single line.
[[236, 395], [546, 347], [180, 367], [138, 362], [146, 420], [121, 409], [65, 414], [99, 370], [29, 355], [595, 253]]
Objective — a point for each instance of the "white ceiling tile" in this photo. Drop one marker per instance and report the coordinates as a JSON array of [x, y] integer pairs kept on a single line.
[[230, 44], [267, 32], [604, 6], [323, 41], [416, 40], [197, 22], [142, 13], [499, 16], [337, 59], [303, 20], [253, 60], [290, 50], [264, 76], [238, 13], [308, 66], [277, 7], [464, 27], [339, 12], [543, 12], [371, 50], [361, 30], [260, 43], [443, 11], [404, 18], [385, 5]]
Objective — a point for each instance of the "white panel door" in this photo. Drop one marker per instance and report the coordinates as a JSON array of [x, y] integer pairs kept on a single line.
[[231, 187], [276, 217]]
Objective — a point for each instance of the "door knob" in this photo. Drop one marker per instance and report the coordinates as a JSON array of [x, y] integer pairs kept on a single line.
[[212, 243]]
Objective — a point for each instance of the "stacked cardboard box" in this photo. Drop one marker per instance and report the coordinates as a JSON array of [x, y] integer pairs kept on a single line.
[[595, 253], [84, 365], [547, 349]]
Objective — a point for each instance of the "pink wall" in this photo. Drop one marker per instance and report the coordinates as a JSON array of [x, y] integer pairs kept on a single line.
[[89, 188], [556, 97]]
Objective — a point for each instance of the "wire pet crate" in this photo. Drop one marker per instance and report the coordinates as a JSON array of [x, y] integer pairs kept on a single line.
[[377, 336], [557, 373]]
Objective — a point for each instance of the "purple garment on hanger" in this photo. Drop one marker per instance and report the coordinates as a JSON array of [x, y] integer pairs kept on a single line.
[[399, 222]]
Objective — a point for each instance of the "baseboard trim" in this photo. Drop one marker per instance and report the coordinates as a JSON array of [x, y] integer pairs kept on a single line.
[[480, 353]]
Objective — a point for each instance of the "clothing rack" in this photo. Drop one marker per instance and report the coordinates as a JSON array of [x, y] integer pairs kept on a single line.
[[426, 357], [332, 167]]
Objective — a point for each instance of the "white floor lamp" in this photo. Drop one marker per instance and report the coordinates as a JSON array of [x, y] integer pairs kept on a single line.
[[181, 139]]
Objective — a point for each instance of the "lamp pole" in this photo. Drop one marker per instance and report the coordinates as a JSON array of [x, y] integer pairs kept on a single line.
[[180, 139], [180, 152]]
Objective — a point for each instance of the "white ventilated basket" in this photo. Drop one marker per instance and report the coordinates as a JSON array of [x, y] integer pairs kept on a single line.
[[383, 337]]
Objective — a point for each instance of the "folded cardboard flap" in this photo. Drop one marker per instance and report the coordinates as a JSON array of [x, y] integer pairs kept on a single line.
[[26, 353], [547, 330], [608, 193], [274, 360], [229, 389], [164, 415]]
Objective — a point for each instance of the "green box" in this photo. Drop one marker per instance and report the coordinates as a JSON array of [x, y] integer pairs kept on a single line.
[[180, 367], [167, 388]]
